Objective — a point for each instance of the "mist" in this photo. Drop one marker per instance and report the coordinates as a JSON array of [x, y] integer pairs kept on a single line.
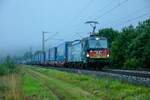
[[22, 21]]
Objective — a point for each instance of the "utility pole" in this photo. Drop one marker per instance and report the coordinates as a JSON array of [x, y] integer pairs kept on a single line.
[[93, 25], [45, 40], [30, 52], [43, 43]]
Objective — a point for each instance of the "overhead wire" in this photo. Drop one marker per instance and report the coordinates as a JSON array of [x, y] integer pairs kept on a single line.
[[115, 7], [110, 10], [52, 36], [82, 10], [132, 19], [104, 7], [133, 13]]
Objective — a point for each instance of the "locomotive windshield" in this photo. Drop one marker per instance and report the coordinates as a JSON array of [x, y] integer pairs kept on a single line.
[[98, 43]]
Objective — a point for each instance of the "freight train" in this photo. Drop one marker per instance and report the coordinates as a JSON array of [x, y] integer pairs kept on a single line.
[[89, 52]]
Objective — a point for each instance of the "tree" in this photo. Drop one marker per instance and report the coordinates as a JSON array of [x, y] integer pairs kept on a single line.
[[119, 49], [131, 49], [143, 27], [109, 33], [140, 50]]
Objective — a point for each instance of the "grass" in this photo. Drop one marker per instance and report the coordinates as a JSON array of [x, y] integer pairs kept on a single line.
[[10, 87], [33, 89], [61, 89], [33, 83], [105, 88]]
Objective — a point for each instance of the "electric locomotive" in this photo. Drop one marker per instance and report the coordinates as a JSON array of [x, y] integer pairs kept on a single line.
[[97, 51], [90, 52]]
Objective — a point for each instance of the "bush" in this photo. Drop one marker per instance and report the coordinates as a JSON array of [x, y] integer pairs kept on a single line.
[[3, 69], [8, 66], [132, 63]]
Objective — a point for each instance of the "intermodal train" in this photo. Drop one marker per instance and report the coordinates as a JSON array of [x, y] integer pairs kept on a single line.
[[89, 52]]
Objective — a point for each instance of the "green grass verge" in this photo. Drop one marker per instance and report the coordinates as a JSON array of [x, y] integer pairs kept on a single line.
[[63, 90], [34, 90], [104, 88]]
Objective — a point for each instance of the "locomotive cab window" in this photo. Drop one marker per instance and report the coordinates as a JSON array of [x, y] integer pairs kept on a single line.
[[97, 43]]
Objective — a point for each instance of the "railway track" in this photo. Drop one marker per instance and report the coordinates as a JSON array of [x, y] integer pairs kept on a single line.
[[133, 76], [143, 74]]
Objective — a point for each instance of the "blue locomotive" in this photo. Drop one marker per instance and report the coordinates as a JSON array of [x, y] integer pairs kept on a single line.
[[89, 52]]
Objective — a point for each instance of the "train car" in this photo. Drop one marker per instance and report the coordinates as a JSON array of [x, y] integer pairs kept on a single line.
[[62, 54], [52, 53], [35, 59], [47, 57], [28, 61], [75, 54], [38, 58]]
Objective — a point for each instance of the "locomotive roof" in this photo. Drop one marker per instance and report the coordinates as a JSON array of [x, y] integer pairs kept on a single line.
[[101, 37]]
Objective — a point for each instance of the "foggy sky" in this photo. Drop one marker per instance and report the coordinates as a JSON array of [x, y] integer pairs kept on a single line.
[[22, 21]]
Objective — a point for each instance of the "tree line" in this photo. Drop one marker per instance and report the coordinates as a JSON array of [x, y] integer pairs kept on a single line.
[[130, 47]]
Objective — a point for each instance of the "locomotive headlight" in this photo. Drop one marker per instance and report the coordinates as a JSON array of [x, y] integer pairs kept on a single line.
[[107, 55], [97, 38], [87, 55]]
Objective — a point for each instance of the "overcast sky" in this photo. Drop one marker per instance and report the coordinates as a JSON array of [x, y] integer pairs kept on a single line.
[[22, 21]]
